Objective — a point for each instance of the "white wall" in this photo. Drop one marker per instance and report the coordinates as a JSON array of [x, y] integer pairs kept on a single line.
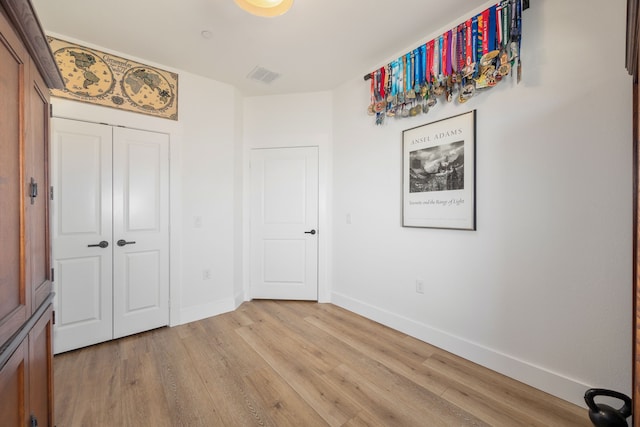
[[542, 290], [204, 170]]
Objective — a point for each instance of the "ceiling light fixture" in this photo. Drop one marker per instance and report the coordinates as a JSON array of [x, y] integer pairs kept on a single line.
[[267, 8]]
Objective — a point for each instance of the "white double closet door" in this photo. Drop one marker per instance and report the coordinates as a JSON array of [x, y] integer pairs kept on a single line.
[[110, 226]]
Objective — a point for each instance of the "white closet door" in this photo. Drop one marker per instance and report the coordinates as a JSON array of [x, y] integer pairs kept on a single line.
[[141, 226], [82, 212]]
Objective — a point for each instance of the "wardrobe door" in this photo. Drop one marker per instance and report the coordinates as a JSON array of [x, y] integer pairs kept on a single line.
[[41, 370], [38, 265], [15, 297], [14, 388]]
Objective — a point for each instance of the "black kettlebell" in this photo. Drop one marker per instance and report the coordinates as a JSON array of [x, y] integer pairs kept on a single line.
[[602, 415]]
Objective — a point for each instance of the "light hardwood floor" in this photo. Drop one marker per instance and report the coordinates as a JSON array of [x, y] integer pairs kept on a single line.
[[277, 363]]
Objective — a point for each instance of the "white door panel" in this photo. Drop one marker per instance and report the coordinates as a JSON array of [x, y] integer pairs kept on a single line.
[[141, 206], [84, 308], [284, 209], [81, 177]]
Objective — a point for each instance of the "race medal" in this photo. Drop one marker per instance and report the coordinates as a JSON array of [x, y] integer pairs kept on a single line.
[[481, 82], [491, 80], [370, 110], [489, 58], [468, 91], [505, 67], [379, 106], [411, 94], [431, 101], [468, 70], [438, 91], [405, 111]]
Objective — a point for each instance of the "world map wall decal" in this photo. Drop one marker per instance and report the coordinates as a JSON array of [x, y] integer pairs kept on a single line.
[[100, 78]]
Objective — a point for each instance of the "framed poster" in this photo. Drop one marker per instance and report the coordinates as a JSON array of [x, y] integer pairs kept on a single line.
[[111, 81], [438, 174]]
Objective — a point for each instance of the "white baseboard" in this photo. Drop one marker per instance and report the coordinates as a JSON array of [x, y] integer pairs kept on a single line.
[[198, 312], [535, 376]]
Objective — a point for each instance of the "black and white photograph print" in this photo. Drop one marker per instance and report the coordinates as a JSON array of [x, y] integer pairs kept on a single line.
[[438, 174], [438, 168]]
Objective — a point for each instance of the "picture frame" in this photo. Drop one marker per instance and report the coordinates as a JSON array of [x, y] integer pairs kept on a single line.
[[439, 174]]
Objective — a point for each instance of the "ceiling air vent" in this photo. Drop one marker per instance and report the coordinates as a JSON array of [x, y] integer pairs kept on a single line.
[[262, 75]]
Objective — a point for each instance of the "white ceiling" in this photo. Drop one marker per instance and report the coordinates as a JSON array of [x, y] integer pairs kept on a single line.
[[316, 46]]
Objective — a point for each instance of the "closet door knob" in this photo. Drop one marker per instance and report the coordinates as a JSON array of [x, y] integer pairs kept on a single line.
[[123, 242], [310, 232]]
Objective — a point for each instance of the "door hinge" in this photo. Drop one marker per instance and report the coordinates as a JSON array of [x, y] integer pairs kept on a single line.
[[51, 192], [53, 317], [50, 110], [52, 271]]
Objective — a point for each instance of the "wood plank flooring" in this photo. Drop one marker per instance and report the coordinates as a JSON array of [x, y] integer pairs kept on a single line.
[[285, 363]]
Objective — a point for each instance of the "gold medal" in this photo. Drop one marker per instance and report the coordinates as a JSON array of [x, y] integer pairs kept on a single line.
[[370, 110], [489, 58]]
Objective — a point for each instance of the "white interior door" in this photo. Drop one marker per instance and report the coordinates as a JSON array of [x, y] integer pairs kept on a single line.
[[140, 231], [82, 212], [284, 221], [109, 184]]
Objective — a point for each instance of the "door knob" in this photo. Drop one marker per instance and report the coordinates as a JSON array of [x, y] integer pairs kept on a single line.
[[102, 245], [310, 232], [123, 242]]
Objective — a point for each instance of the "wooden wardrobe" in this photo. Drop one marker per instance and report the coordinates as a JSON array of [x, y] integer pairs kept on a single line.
[[27, 71]]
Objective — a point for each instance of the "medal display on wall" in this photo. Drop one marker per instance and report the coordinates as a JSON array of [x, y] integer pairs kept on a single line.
[[455, 66]]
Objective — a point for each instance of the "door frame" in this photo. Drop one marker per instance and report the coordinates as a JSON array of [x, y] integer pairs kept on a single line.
[[72, 110], [322, 143], [311, 243], [633, 66]]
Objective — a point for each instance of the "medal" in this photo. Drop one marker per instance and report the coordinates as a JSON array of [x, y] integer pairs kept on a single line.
[[489, 58], [468, 91]]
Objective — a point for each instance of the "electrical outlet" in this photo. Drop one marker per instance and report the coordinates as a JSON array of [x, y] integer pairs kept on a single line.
[[206, 274], [419, 286]]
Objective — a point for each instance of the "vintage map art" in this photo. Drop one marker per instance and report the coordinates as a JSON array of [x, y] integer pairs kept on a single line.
[[111, 81]]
